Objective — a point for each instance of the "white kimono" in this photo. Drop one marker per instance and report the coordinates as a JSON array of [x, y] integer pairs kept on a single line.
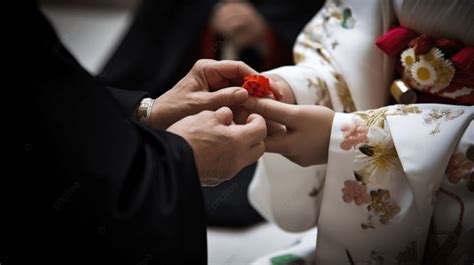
[[399, 184]]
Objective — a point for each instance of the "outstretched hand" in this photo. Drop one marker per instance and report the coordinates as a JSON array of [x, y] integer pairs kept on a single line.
[[308, 129]]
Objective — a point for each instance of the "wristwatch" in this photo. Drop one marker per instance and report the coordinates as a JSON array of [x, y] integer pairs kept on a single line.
[[143, 111]]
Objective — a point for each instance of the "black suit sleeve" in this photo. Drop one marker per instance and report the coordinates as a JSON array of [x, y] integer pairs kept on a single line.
[[101, 188], [127, 99]]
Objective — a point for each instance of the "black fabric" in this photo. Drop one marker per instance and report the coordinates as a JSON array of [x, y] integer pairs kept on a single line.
[[228, 205], [160, 48], [94, 186], [156, 51]]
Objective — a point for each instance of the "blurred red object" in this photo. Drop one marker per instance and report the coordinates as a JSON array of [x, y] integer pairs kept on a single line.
[[257, 85]]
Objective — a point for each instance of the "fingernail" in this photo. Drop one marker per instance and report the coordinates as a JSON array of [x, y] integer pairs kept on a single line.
[[241, 95]]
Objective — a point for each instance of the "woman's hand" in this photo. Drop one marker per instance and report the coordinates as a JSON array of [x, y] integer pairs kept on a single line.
[[308, 130], [281, 89]]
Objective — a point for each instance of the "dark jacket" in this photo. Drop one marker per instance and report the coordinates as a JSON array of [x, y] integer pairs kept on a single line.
[[95, 186]]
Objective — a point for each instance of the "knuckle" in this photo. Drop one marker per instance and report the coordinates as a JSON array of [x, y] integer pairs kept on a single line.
[[200, 101], [201, 63], [198, 64], [194, 99], [228, 137], [241, 64], [220, 98]]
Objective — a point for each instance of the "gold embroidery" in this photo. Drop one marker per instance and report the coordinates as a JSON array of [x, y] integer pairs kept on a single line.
[[369, 223], [310, 44], [340, 14], [373, 117], [378, 117], [322, 92], [383, 206], [406, 109], [344, 94], [324, 54], [298, 57], [438, 116], [309, 41]]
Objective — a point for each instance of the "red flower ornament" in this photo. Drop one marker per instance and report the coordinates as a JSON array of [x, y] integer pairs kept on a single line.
[[257, 85]]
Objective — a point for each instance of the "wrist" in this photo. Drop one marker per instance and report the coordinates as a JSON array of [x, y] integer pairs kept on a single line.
[[158, 120]]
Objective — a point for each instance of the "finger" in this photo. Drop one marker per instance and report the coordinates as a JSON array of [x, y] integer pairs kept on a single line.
[[220, 73], [255, 152], [230, 96], [254, 131], [224, 116], [277, 111]]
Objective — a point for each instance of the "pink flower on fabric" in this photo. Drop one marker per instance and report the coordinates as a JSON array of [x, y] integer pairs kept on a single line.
[[354, 134], [355, 191]]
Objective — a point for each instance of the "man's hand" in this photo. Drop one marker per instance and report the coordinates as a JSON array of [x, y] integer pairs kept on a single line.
[[308, 130], [201, 89], [221, 148]]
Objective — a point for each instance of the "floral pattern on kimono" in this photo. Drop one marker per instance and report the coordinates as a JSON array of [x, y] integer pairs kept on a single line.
[[375, 162], [418, 180]]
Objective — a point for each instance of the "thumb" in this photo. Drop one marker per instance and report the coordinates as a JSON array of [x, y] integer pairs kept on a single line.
[[224, 116], [227, 97], [274, 110]]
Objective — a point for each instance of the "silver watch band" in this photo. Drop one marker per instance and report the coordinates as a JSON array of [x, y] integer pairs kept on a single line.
[[143, 111]]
